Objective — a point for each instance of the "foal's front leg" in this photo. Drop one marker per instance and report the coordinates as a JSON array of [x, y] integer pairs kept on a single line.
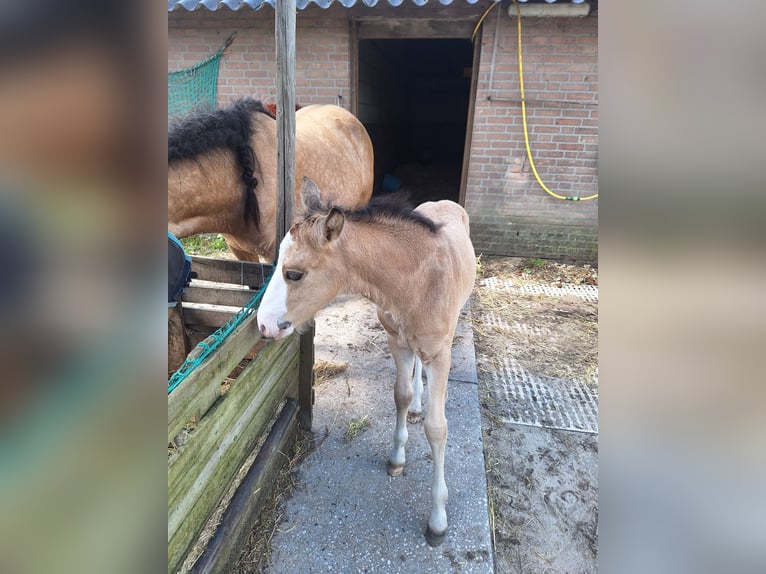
[[404, 359]]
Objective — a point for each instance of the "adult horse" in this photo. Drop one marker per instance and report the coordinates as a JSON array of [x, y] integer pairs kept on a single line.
[[222, 170], [418, 266]]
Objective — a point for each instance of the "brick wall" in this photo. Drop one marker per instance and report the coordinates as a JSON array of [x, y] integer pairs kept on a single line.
[[509, 212], [322, 52]]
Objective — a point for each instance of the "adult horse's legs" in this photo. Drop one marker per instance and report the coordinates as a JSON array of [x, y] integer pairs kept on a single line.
[[437, 371], [416, 406], [404, 359]]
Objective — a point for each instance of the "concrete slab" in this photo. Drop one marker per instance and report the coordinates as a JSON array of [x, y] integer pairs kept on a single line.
[[347, 514]]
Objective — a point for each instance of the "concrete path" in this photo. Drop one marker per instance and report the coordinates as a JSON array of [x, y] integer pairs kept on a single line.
[[347, 514]]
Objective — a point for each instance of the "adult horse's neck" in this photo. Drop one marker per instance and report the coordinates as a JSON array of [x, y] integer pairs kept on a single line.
[[206, 194]]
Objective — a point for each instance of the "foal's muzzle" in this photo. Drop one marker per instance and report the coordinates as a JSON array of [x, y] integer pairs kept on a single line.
[[274, 329]]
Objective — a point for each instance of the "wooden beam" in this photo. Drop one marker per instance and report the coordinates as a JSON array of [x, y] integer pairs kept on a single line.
[[223, 550], [306, 379], [354, 59], [200, 474], [395, 28], [228, 296], [178, 339], [230, 271], [469, 120], [194, 396], [284, 22], [206, 315]]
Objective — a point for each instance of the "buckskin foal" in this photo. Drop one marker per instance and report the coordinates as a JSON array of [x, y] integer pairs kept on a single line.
[[418, 266]]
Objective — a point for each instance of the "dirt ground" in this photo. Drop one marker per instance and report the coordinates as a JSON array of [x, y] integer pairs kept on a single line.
[[542, 481]]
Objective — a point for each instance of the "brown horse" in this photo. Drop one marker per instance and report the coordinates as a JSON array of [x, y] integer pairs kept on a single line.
[[417, 266], [222, 170]]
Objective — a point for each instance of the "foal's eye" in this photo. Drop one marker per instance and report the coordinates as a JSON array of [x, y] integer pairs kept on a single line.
[[294, 275]]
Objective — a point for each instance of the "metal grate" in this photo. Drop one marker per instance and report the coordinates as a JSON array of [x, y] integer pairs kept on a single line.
[[586, 292], [493, 320], [541, 401]]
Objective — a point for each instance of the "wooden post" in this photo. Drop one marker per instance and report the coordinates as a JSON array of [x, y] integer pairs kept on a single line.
[[178, 340], [285, 52], [284, 23]]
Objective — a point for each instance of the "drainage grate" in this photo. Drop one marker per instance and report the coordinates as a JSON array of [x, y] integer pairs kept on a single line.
[[541, 401], [587, 292], [492, 320]]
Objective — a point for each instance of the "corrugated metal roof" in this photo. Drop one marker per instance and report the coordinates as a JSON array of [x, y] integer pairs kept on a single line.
[[191, 5], [256, 4]]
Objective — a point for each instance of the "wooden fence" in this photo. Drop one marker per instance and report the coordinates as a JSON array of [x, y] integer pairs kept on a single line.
[[249, 392]]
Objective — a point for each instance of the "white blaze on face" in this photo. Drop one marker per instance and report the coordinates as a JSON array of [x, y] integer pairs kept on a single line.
[[273, 306]]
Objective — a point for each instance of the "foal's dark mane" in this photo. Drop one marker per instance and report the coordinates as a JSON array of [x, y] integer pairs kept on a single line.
[[382, 208], [229, 127]]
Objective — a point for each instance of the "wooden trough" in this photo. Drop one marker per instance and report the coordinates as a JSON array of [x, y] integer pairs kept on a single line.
[[247, 397]]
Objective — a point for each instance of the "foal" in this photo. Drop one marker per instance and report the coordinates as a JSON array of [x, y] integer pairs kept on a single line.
[[417, 266]]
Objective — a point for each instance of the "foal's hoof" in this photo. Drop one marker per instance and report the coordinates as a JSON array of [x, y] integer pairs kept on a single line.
[[434, 539], [413, 417], [394, 469]]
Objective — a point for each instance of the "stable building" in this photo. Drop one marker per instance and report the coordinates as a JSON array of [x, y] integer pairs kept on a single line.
[[436, 84]]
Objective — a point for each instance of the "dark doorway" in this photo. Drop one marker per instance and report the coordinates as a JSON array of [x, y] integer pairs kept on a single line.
[[413, 99]]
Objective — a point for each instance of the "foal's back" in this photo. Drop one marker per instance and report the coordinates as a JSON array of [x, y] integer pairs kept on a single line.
[[458, 260]]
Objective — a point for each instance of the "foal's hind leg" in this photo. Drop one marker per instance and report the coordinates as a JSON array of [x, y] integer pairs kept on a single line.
[[435, 426], [416, 406], [404, 359]]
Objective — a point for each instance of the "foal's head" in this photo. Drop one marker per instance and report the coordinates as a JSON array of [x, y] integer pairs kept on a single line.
[[305, 278]]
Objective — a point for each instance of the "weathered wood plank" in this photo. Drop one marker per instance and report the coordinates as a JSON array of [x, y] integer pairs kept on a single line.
[[199, 475], [306, 379], [178, 340], [284, 35], [469, 120], [394, 28], [270, 365], [208, 315], [223, 550], [193, 397], [228, 296], [230, 271]]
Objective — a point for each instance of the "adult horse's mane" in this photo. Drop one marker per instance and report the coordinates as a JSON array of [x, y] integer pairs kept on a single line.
[[230, 127], [381, 209]]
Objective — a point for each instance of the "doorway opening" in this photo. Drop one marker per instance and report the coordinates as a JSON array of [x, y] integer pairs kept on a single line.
[[413, 98]]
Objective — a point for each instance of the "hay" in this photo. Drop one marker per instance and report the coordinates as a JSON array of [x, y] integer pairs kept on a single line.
[[553, 336], [326, 370]]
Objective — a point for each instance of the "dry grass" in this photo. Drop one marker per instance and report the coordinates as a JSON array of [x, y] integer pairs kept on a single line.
[[256, 556], [355, 427], [553, 336], [326, 370]]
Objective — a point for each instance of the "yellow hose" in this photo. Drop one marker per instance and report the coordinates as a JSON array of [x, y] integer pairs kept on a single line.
[[524, 120], [483, 16]]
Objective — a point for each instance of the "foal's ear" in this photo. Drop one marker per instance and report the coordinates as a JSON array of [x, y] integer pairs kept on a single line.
[[309, 195], [333, 224]]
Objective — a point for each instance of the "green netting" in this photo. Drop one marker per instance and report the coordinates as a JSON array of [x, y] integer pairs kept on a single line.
[[195, 88]]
